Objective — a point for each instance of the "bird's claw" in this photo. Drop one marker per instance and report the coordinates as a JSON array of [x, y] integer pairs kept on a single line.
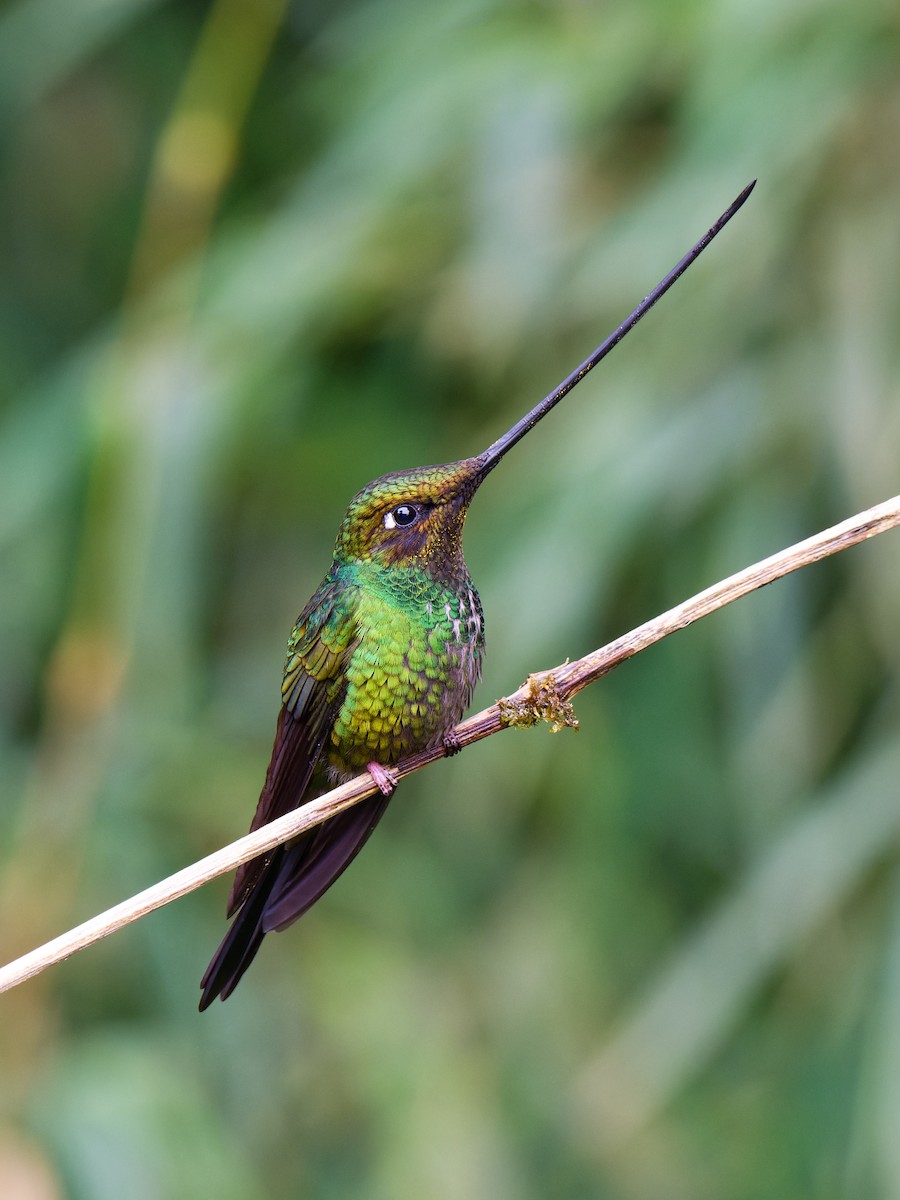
[[451, 743], [385, 778]]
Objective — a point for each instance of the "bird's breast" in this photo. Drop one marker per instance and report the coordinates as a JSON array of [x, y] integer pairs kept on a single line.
[[410, 675]]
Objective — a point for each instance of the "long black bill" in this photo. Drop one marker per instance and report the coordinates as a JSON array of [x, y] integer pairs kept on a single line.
[[490, 457]]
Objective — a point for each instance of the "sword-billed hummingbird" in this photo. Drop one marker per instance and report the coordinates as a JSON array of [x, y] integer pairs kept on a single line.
[[381, 663]]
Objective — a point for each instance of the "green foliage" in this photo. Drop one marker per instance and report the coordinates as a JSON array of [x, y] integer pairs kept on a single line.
[[257, 253]]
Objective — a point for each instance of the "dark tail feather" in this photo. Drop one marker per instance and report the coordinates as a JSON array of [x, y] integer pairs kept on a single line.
[[241, 942], [294, 879], [311, 866]]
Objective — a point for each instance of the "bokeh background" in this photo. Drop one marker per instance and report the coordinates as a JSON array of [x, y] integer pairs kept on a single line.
[[255, 253]]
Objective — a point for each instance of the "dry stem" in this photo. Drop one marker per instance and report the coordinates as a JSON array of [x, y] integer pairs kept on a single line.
[[544, 696]]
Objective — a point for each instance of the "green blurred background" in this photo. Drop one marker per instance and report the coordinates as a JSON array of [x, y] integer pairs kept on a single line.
[[255, 253]]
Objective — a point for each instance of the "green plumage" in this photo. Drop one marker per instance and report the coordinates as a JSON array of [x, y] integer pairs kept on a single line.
[[394, 635], [395, 650]]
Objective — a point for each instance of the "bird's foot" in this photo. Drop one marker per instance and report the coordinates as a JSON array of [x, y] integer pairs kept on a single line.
[[385, 778], [451, 743]]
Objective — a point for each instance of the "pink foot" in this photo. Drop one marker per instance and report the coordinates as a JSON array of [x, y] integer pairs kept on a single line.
[[385, 779]]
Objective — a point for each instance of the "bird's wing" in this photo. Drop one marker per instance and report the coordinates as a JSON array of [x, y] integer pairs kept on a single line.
[[312, 690]]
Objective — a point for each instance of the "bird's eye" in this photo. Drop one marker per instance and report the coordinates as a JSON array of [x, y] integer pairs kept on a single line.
[[403, 514]]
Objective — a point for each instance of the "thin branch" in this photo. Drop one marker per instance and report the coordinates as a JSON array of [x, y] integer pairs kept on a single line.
[[544, 696]]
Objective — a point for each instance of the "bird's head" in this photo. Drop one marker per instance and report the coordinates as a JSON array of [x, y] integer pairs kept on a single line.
[[412, 518]]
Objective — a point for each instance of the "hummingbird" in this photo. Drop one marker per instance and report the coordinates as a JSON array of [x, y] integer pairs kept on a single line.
[[381, 663]]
